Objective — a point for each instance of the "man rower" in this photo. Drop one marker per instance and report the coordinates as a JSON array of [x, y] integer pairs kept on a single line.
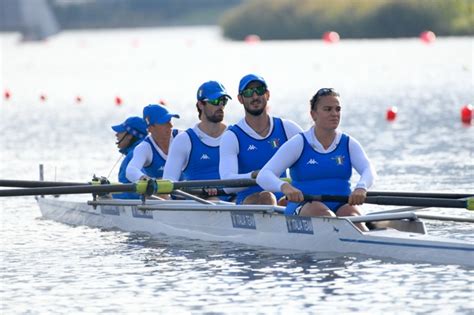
[[194, 154], [128, 134], [150, 155], [248, 145]]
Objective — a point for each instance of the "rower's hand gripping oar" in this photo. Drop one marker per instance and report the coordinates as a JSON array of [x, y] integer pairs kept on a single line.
[[467, 203]]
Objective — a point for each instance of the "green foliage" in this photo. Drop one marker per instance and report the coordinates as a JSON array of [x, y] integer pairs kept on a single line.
[[294, 19]]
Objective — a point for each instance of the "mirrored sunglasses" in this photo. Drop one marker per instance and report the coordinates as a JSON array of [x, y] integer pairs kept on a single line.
[[217, 102], [248, 92]]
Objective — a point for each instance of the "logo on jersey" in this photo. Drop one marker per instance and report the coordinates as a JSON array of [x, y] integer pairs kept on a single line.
[[275, 143], [205, 157], [312, 162], [339, 159], [161, 168], [251, 148]]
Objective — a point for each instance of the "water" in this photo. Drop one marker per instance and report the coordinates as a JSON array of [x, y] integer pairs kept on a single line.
[[48, 267]]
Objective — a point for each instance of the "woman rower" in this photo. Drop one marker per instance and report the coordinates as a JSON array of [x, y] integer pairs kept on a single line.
[[320, 161]]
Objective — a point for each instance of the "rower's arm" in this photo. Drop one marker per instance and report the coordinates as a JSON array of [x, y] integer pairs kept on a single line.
[[228, 157], [142, 156], [361, 163], [286, 156], [178, 157]]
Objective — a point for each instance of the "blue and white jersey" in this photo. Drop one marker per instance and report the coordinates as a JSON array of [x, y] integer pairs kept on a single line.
[[322, 173], [203, 161], [128, 152], [155, 168], [254, 153]]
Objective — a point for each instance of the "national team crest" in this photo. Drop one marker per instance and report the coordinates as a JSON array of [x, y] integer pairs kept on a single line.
[[275, 143], [339, 159]]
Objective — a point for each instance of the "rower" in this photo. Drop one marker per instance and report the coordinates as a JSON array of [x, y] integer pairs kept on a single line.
[[150, 155], [320, 161], [194, 154], [128, 134], [248, 145]]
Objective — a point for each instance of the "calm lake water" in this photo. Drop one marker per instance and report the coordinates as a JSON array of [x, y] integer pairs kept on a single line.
[[48, 267]]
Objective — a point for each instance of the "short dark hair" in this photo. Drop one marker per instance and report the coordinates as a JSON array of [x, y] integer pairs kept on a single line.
[[320, 93]]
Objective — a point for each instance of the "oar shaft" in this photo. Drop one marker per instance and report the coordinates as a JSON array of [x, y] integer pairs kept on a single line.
[[35, 183], [400, 201], [166, 186], [82, 189], [420, 194]]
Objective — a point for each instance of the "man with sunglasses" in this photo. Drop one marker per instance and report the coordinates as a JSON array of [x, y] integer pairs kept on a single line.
[[248, 145], [194, 154], [321, 161], [150, 155]]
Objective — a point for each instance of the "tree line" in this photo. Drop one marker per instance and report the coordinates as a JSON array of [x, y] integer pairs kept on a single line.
[[306, 19]]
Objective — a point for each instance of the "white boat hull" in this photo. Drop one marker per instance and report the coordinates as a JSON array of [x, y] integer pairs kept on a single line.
[[254, 226]]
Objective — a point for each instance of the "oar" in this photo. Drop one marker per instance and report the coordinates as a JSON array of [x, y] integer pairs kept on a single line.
[[82, 189], [35, 183], [420, 194], [142, 187], [402, 201]]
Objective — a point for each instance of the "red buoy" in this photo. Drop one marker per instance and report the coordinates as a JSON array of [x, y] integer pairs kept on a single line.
[[43, 97], [331, 37], [7, 94], [78, 99], [252, 39], [391, 113], [466, 114], [118, 101], [427, 37], [162, 102]]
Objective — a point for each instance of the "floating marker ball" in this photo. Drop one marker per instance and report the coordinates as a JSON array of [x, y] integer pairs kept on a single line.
[[466, 113], [331, 37], [392, 113], [252, 38], [427, 37]]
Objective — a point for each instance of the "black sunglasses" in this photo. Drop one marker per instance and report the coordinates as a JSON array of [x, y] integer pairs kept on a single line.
[[320, 93]]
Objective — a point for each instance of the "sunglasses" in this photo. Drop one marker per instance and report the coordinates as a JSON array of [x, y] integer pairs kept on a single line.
[[320, 93], [260, 90], [324, 92], [217, 102]]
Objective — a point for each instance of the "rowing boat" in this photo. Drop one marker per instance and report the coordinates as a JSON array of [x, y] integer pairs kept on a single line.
[[397, 236]]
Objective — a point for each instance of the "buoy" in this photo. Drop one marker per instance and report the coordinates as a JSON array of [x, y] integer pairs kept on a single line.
[[466, 113], [43, 97], [78, 99], [331, 37], [118, 100], [162, 102], [7, 94], [391, 113], [427, 37], [252, 38]]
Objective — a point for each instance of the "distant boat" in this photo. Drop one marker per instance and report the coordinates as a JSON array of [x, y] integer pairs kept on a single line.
[[34, 19]]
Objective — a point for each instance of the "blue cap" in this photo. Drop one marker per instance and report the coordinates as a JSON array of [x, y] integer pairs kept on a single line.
[[157, 114], [250, 78], [133, 125], [211, 90]]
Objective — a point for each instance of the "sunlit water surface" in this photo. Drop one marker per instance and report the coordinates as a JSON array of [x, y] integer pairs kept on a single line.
[[48, 267]]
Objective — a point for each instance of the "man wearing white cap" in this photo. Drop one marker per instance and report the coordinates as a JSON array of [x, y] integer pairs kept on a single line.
[[128, 134], [194, 154], [150, 155], [248, 145]]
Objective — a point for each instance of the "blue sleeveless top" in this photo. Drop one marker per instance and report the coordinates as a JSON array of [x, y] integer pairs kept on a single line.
[[255, 153], [128, 152], [157, 165], [322, 173], [203, 161]]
